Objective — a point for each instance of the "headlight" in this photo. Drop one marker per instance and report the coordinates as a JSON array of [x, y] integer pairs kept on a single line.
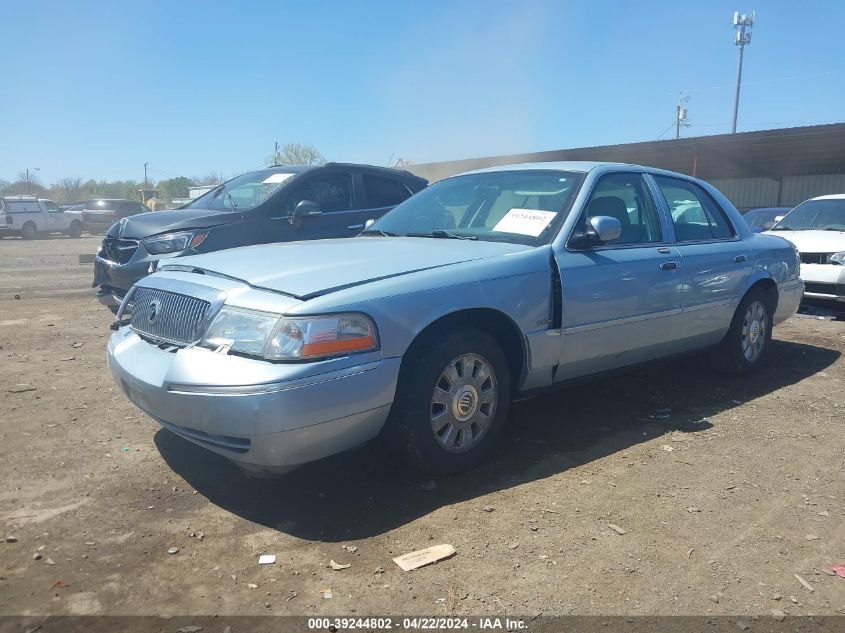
[[291, 338], [838, 258], [174, 242]]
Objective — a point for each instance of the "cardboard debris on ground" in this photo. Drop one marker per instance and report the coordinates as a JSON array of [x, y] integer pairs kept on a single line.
[[338, 566], [267, 559], [803, 582], [420, 558]]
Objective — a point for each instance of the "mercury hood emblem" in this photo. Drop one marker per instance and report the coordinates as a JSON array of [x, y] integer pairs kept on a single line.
[[153, 310]]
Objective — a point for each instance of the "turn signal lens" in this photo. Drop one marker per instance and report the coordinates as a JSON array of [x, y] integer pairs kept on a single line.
[[321, 336]]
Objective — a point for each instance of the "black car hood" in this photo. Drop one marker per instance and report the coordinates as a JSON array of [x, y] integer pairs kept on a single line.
[[155, 222]]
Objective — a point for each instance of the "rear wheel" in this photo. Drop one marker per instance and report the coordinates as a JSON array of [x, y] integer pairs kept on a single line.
[[745, 345], [75, 229], [451, 402], [29, 231]]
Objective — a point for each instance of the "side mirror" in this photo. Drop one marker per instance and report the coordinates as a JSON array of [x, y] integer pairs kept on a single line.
[[600, 229], [304, 208], [369, 223]]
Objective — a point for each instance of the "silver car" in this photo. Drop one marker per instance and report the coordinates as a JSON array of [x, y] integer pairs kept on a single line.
[[485, 285]]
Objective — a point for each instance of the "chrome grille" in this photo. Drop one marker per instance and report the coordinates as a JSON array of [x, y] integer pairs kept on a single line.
[[167, 316], [120, 251]]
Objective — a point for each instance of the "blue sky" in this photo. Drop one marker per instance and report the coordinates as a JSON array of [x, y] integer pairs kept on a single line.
[[96, 89]]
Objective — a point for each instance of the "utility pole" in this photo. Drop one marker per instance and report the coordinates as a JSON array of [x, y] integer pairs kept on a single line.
[[145, 176], [27, 177], [742, 25], [681, 115], [276, 154]]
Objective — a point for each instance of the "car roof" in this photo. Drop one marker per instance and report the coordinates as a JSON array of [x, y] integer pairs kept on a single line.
[[578, 166], [833, 196]]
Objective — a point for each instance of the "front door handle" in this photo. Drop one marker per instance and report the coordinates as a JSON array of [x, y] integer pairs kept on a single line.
[[668, 265], [355, 227], [740, 258]]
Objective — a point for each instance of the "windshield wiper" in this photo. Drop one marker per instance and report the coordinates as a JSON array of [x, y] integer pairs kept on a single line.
[[443, 235], [379, 232], [231, 201]]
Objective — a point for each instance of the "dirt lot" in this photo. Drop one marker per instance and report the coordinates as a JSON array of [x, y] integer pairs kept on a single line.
[[722, 502]]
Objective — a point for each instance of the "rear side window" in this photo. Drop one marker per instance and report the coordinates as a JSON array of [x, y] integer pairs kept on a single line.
[[694, 214], [384, 192]]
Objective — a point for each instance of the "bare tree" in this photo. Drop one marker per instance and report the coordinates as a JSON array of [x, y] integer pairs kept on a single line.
[[70, 188], [211, 178], [298, 154]]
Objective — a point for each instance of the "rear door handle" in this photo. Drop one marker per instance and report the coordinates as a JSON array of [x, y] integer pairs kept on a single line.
[[740, 258], [668, 265], [355, 227]]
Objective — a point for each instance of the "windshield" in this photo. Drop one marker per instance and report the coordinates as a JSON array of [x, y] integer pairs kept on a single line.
[[815, 214], [243, 192], [522, 207]]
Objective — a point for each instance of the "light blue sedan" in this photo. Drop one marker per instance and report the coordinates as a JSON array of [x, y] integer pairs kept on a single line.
[[485, 286]]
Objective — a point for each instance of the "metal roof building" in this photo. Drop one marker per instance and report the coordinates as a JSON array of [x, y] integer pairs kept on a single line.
[[754, 169]]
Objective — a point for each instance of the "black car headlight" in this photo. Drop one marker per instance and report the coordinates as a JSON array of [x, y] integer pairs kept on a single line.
[[174, 242]]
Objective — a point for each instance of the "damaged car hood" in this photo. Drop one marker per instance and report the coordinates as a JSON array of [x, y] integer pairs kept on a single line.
[[156, 222], [310, 269]]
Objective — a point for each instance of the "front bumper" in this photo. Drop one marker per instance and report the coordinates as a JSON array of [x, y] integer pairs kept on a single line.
[[824, 281], [119, 278], [263, 416]]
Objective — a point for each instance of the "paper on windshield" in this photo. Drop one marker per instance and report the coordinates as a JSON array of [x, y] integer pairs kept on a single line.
[[525, 222], [275, 179]]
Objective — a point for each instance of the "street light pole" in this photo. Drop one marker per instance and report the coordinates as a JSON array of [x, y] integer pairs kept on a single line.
[[27, 177], [145, 175], [743, 25]]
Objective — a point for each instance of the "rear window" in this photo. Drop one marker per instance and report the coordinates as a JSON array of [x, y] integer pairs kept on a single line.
[[100, 205], [384, 192]]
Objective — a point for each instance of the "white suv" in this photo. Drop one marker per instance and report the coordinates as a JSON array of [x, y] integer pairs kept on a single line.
[[28, 216], [817, 228]]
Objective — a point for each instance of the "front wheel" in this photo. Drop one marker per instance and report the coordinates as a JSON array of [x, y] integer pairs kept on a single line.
[[745, 345], [451, 401]]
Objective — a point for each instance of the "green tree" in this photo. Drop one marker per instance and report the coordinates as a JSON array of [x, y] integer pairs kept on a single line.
[[174, 187]]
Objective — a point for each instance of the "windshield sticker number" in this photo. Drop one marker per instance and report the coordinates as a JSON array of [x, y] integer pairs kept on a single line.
[[525, 222], [275, 179]]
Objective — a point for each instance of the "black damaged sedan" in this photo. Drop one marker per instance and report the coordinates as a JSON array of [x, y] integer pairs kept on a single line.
[[277, 204]]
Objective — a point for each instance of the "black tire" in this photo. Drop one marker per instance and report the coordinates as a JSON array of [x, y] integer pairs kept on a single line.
[[29, 231], [75, 229], [732, 353], [410, 428]]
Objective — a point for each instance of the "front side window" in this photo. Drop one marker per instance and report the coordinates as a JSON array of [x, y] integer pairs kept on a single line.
[[626, 198], [815, 214], [694, 214], [333, 192], [51, 207], [384, 192], [520, 206]]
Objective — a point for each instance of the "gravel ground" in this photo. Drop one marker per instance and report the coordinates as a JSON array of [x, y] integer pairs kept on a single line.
[[725, 491]]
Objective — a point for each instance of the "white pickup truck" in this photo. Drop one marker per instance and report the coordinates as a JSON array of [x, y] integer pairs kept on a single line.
[[30, 217]]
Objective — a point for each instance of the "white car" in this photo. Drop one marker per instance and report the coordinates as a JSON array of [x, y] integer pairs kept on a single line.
[[817, 228], [31, 217]]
